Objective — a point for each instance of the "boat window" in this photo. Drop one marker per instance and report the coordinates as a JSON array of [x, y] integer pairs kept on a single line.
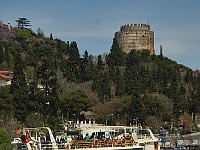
[[143, 133], [128, 130]]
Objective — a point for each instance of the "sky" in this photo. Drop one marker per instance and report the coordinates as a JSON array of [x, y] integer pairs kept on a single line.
[[93, 23]]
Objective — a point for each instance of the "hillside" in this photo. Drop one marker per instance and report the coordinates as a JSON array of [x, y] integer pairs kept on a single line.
[[52, 83]]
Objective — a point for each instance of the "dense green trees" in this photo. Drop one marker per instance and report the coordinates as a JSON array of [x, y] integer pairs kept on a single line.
[[75, 102], [6, 57], [4, 140], [19, 89], [129, 86], [120, 84], [2, 53], [6, 107], [22, 34]]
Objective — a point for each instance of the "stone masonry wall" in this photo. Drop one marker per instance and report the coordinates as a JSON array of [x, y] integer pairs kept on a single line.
[[135, 37]]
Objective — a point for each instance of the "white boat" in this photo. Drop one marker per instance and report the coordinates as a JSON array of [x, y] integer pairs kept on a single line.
[[140, 138], [120, 138]]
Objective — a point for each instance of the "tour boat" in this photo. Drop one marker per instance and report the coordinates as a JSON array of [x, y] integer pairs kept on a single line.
[[102, 137]]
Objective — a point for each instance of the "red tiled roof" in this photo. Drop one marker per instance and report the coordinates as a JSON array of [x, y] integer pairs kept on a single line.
[[5, 75], [5, 71]]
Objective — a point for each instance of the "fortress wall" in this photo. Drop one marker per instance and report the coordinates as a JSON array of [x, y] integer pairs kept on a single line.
[[135, 27], [135, 37]]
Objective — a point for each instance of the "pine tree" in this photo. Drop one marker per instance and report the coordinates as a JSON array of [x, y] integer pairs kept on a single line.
[[23, 23]]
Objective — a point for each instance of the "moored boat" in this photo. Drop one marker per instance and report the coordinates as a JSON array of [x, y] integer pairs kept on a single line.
[[125, 137], [100, 137]]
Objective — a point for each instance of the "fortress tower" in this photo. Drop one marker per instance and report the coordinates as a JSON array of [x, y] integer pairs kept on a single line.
[[135, 37]]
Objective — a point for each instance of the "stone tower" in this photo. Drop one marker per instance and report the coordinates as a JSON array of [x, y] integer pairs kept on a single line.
[[135, 37]]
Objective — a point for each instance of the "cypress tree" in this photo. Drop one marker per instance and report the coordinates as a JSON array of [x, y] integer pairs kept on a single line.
[[120, 84], [51, 36], [19, 90], [73, 52], [115, 58], [99, 63]]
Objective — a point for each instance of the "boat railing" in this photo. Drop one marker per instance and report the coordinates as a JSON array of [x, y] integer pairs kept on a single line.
[[22, 146], [61, 144], [35, 141], [145, 135], [27, 146]]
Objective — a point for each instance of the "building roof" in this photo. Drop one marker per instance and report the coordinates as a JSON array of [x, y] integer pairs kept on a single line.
[[6, 75], [5, 71], [89, 114]]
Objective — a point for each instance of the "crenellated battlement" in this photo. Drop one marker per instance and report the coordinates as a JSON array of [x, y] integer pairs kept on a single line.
[[134, 27]]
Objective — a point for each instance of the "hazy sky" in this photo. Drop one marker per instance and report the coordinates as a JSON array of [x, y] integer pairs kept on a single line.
[[92, 23]]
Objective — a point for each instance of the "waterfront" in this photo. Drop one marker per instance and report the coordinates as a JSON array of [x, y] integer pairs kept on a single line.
[[181, 142]]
